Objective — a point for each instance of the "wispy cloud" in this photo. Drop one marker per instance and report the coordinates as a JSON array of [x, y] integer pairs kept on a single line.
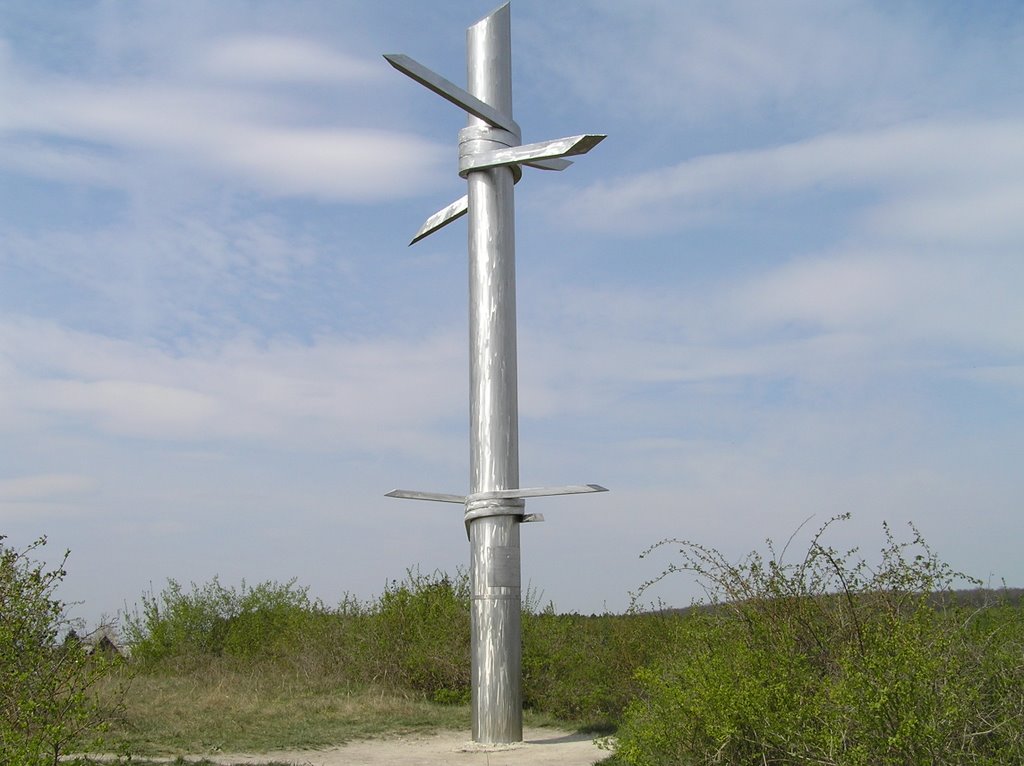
[[44, 486], [86, 130], [847, 322], [828, 64], [794, 291], [384, 394], [933, 306], [269, 58], [43, 495], [907, 165], [159, 273]]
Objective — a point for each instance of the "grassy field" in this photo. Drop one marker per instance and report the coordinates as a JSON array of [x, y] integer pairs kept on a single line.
[[217, 708], [221, 705], [826, 660], [259, 669]]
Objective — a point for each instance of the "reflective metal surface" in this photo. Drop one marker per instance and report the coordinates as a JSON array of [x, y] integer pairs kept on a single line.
[[449, 91], [495, 615], [548, 164], [442, 218], [494, 411], [437, 497], [490, 159], [571, 489], [522, 492], [545, 150]]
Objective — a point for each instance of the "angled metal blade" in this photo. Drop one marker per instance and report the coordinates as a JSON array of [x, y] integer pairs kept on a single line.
[[438, 497], [545, 150], [449, 91], [442, 218], [549, 164]]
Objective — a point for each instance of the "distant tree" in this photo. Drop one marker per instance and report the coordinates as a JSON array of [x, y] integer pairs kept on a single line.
[[44, 681]]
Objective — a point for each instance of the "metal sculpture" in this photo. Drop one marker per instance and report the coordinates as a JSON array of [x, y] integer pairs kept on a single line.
[[490, 159]]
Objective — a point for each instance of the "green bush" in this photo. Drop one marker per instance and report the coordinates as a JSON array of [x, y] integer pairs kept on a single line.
[[264, 621], [271, 620], [830, 661], [45, 683], [416, 636], [583, 669]]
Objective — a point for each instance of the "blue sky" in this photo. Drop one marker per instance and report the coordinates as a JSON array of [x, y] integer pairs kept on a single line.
[[787, 285]]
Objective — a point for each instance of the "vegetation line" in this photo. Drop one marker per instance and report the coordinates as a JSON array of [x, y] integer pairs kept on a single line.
[[830, 660]]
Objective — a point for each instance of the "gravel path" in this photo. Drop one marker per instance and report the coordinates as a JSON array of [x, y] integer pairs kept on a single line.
[[541, 747]]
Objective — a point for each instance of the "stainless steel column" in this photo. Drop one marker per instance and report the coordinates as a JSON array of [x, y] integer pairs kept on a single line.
[[494, 412], [490, 159]]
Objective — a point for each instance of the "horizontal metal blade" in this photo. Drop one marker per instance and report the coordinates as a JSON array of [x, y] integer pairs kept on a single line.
[[438, 497], [509, 494], [449, 91], [545, 150], [442, 218]]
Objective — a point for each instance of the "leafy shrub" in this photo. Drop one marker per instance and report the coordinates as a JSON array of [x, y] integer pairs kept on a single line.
[[271, 620], [414, 636], [426, 623], [45, 705], [830, 661], [583, 669], [212, 620]]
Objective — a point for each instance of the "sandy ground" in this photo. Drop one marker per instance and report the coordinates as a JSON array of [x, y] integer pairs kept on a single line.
[[541, 747]]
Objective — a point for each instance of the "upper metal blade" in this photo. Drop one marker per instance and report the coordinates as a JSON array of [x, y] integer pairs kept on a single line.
[[449, 91]]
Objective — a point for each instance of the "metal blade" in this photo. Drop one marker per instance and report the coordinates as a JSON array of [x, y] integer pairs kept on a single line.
[[549, 164], [442, 218], [451, 92], [438, 497], [545, 150], [510, 494]]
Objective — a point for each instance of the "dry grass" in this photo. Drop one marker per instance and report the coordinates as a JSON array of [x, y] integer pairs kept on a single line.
[[216, 707]]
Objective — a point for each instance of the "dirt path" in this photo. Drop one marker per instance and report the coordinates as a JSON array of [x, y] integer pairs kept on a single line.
[[541, 747]]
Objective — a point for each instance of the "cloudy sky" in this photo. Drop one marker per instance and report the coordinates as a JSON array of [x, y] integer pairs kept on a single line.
[[787, 285]]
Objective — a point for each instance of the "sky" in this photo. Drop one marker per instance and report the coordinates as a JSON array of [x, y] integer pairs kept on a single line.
[[786, 286]]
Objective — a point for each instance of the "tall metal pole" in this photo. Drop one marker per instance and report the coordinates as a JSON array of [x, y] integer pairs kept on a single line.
[[490, 159], [494, 570]]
